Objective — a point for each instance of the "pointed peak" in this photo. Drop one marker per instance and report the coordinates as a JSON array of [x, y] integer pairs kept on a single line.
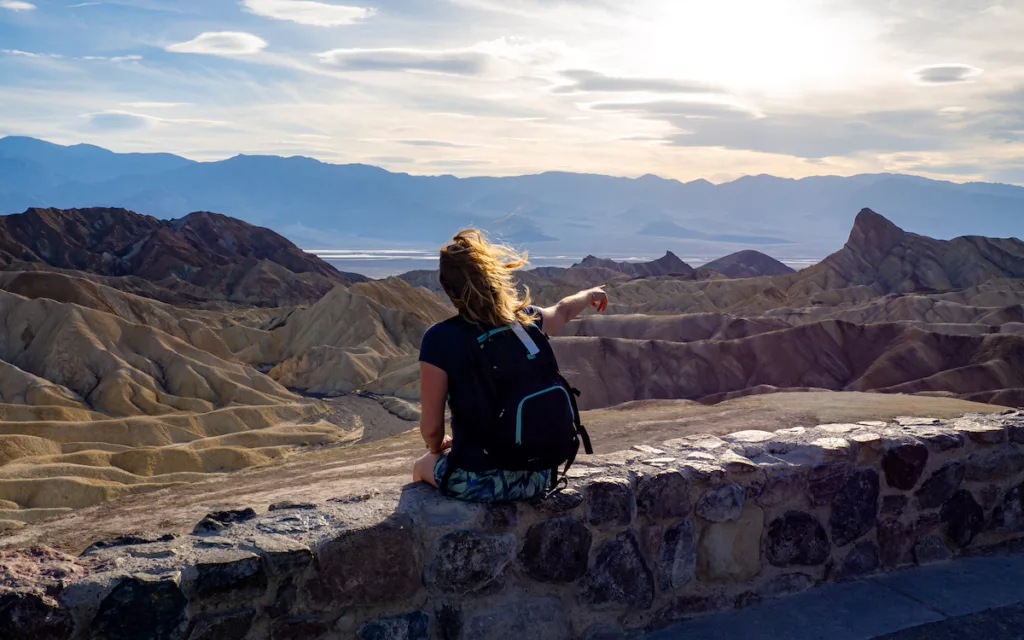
[[873, 231]]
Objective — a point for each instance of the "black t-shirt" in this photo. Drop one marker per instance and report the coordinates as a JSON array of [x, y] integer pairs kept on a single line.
[[446, 345]]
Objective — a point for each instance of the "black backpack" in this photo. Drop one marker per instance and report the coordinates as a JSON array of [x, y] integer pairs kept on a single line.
[[531, 420]]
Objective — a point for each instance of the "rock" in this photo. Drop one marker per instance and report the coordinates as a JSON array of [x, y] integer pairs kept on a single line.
[[619, 578], [797, 538], [468, 561], [781, 487], [602, 631], [449, 622], [941, 485], [562, 502], [291, 522], [731, 551], [408, 626], [998, 465], [982, 433], [288, 505], [963, 516], [931, 549], [1012, 509], [128, 539], [941, 440], [1016, 433], [785, 584], [26, 614], [500, 517], [219, 520], [824, 482], [302, 628], [216, 542], [538, 618], [663, 495], [649, 450], [855, 507], [722, 504], [903, 465], [893, 540], [862, 560], [233, 626], [284, 599], [229, 576], [677, 558], [610, 502], [371, 565], [912, 421], [556, 550], [684, 607], [142, 608], [735, 463], [748, 437], [894, 505], [282, 556]]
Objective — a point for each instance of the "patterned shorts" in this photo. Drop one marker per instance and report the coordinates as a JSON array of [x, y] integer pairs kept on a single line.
[[491, 486]]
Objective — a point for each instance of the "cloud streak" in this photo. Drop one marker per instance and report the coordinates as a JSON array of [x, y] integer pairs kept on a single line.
[[307, 12], [583, 80], [501, 57], [945, 73], [221, 43]]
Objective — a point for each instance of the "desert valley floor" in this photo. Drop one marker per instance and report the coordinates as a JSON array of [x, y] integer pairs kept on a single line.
[[214, 362]]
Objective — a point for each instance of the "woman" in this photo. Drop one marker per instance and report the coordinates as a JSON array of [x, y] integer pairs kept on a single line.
[[477, 277]]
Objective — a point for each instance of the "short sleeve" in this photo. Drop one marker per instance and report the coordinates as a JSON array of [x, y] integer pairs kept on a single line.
[[433, 348]]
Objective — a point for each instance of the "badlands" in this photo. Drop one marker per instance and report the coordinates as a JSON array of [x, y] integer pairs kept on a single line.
[[217, 364]]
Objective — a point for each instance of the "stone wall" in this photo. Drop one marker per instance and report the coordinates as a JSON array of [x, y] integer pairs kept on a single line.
[[641, 539]]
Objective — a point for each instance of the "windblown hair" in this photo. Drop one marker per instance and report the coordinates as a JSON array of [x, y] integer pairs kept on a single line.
[[477, 276]]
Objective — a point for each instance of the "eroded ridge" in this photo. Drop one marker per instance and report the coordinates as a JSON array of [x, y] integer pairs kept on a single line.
[[640, 539]]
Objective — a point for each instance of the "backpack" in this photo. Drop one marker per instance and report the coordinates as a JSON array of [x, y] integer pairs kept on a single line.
[[531, 422]]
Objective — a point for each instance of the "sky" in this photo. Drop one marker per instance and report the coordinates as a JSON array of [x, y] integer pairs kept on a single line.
[[679, 88]]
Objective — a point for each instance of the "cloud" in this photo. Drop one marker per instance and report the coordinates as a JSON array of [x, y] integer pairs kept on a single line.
[[591, 81], [154, 105], [221, 43], [17, 5], [945, 73], [129, 58], [677, 109], [437, 143], [119, 121], [452, 61], [318, 14], [496, 57], [29, 54]]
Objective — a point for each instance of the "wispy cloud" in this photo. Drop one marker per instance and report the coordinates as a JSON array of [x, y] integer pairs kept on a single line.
[[318, 14], [437, 143], [221, 43], [29, 54], [583, 80], [16, 5], [118, 120], [154, 105], [497, 57], [945, 73]]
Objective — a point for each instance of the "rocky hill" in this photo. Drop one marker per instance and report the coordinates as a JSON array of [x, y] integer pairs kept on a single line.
[[203, 255], [748, 264], [667, 265]]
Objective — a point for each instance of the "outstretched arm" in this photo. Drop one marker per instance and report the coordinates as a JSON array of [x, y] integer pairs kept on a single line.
[[568, 308]]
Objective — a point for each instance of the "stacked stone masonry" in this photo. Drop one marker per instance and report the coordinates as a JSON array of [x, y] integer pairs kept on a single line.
[[640, 539]]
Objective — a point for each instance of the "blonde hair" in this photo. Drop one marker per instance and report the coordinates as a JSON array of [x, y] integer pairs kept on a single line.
[[477, 276]]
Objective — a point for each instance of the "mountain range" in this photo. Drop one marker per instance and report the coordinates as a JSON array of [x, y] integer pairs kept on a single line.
[[321, 205]]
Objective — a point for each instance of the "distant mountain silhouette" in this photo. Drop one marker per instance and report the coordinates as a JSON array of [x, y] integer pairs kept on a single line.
[[325, 205], [667, 265], [748, 264]]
